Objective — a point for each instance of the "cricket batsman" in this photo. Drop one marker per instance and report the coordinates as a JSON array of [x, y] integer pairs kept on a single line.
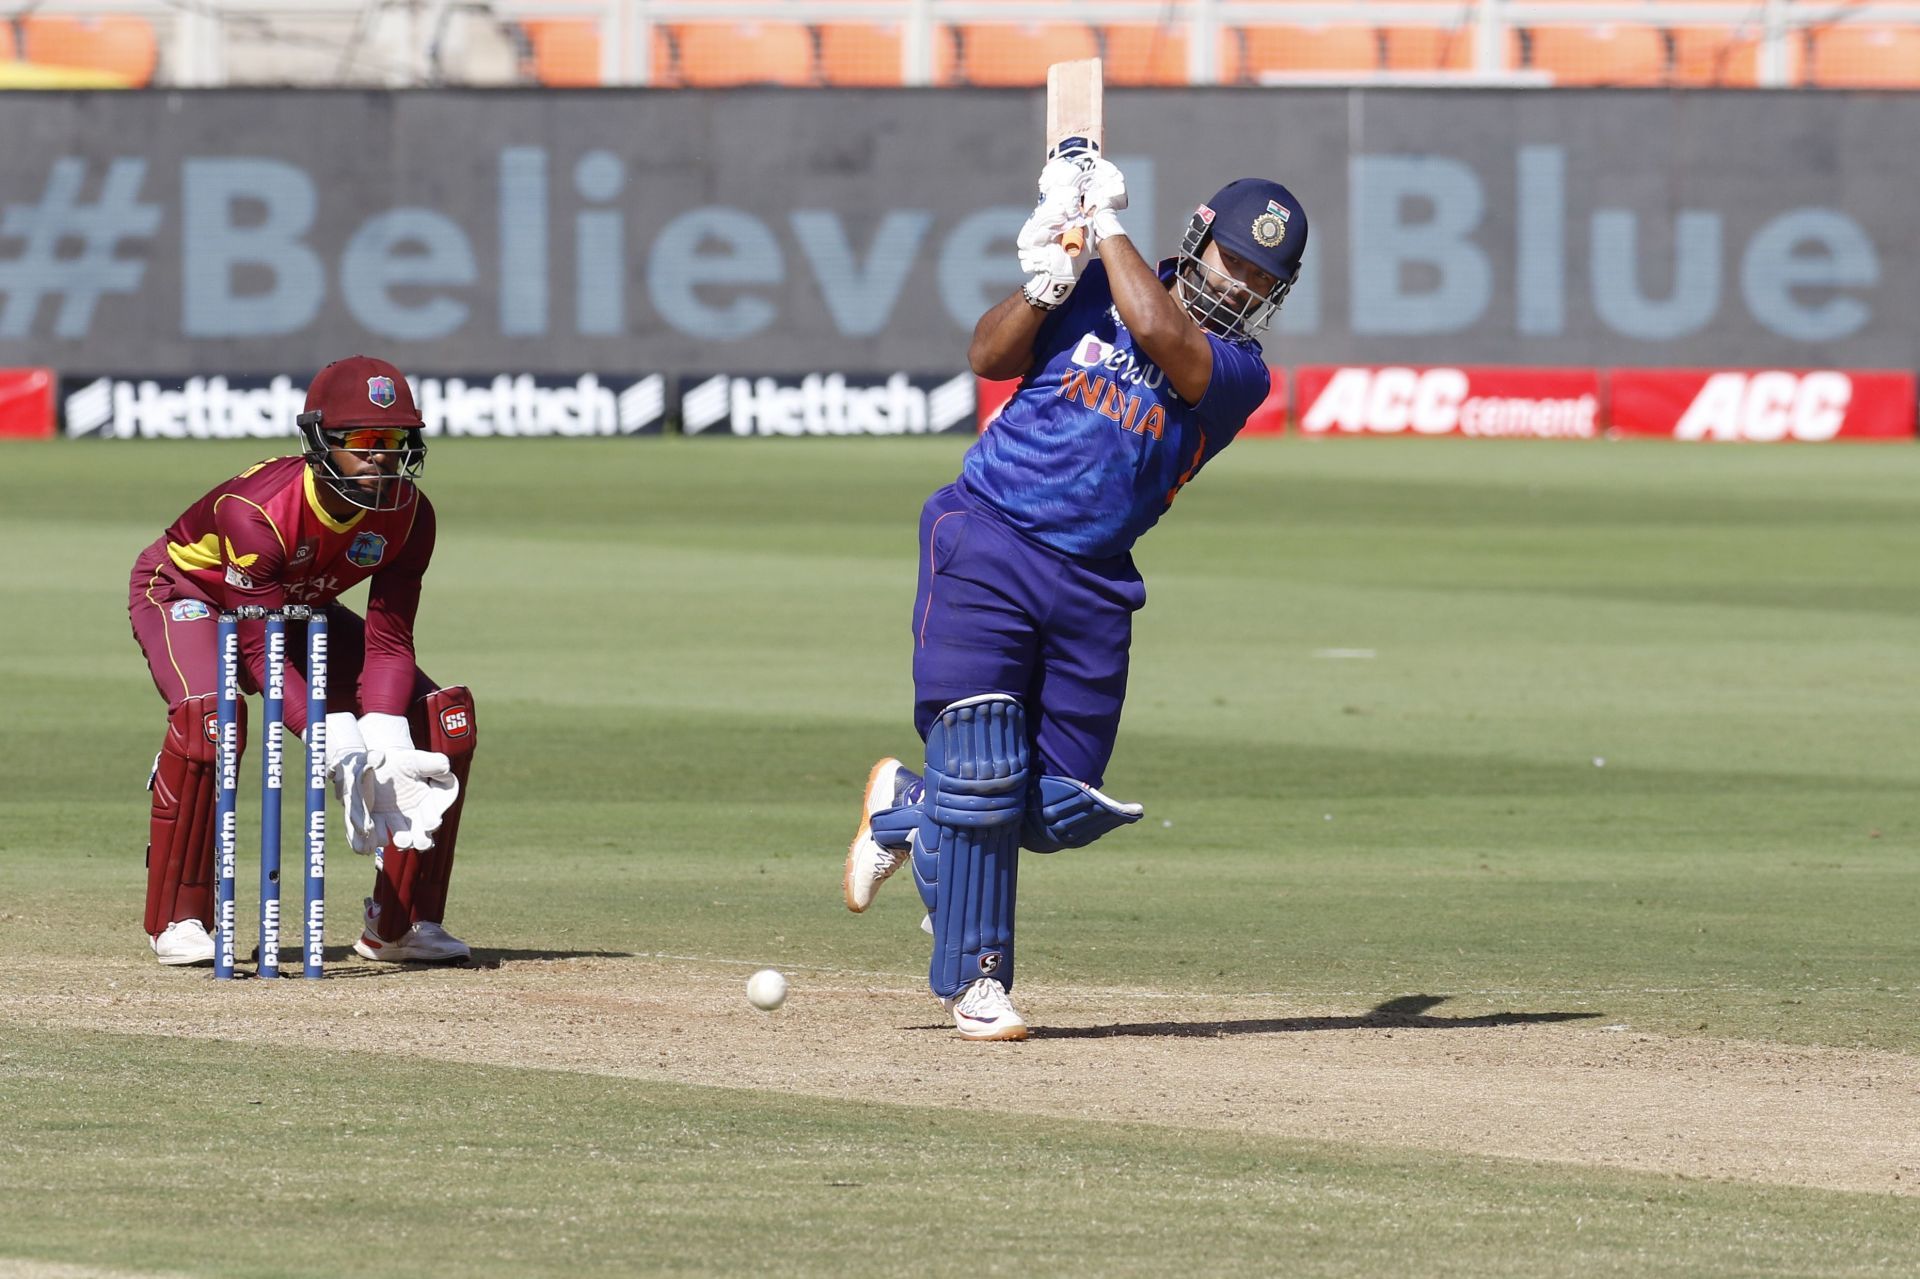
[[1132, 378], [304, 530]]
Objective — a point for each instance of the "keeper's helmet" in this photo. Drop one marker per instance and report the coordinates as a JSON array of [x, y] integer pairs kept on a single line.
[[363, 406], [1259, 222]]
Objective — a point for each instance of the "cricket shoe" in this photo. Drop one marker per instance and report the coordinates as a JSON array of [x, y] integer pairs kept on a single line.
[[869, 862], [424, 943], [984, 1010], [185, 941]]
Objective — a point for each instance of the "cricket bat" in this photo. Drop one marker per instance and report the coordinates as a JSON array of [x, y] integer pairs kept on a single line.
[[1074, 111]]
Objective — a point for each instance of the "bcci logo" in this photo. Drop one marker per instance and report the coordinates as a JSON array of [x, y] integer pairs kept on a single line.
[[380, 391], [367, 549], [1271, 227]]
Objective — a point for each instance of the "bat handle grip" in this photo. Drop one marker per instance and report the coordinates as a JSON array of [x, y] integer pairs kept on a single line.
[[1074, 241]]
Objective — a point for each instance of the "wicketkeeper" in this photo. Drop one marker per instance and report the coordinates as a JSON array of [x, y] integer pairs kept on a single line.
[[1132, 379], [304, 530]]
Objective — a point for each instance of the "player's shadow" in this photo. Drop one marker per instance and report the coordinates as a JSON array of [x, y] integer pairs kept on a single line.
[[1408, 1012], [343, 962]]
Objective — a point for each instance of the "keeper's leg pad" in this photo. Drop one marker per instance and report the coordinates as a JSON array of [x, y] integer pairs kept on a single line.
[[180, 831], [976, 790], [410, 886], [1064, 813]]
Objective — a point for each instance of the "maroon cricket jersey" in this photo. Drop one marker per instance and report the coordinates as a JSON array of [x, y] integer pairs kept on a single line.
[[263, 539]]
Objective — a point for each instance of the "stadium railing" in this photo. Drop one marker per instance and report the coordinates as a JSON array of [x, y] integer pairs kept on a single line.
[[986, 43]]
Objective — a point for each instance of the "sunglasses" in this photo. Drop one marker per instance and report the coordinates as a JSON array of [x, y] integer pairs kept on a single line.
[[374, 439]]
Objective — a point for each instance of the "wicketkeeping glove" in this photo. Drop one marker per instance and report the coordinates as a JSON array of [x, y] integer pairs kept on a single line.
[[347, 771], [406, 791]]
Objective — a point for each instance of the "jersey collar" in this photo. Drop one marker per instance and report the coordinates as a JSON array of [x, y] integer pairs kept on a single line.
[[313, 504]]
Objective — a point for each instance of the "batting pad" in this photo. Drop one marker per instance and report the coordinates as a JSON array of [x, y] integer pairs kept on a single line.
[[1064, 813], [976, 792]]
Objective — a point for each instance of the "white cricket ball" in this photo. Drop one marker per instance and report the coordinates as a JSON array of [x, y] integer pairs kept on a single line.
[[766, 989]]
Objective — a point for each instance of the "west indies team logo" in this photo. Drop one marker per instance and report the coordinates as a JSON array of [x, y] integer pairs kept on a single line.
[[1271, 227], [380, 391], [190, 610], [367, 549]]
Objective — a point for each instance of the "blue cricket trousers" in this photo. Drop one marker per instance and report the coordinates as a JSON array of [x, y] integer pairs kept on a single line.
[[997, 612]]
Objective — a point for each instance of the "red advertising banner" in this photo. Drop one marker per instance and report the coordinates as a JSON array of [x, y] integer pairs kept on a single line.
[[990, 396], [1269, 419], [1763, 405], [26, 403], [1494, 402]]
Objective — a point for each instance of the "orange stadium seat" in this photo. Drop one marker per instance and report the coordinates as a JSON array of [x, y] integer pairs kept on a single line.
[[1858, 56], [7, 50], [1018, 53], [1144, 54], [858, 54], [1429, 48], [1715, 57], [1439, 49], [1609, 54], [720, 54], [123, 46], [1355, 49], [566, 53]]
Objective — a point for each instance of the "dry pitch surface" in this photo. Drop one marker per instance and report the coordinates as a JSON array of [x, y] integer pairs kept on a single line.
[[1460, 1075]]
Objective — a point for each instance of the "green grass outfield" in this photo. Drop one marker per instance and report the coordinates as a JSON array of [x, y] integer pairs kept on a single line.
[[1623, 730]]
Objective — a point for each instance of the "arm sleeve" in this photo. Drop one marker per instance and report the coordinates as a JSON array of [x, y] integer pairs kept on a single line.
[[1239, 385], [252, 559], [393, 598]]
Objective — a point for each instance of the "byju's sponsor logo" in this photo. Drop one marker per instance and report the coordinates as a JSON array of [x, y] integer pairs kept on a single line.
[[829, 404]]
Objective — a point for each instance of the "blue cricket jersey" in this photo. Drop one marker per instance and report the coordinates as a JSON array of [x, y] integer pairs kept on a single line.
[[1095, 445]]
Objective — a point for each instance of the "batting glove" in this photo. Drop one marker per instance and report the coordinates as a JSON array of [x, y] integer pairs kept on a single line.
[[1052, 273], [1051, 270], [1104, 196], [1062, 181]]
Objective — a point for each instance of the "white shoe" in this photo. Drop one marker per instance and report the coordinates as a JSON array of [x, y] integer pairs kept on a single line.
[[869, 864], [984, 1010], [424, 943], [185, 941]]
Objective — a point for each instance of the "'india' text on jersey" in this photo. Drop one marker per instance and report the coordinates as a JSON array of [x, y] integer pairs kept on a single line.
[[1095, 444]]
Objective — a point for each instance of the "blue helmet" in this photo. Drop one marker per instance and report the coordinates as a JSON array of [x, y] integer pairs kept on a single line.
[[1259, 222]]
